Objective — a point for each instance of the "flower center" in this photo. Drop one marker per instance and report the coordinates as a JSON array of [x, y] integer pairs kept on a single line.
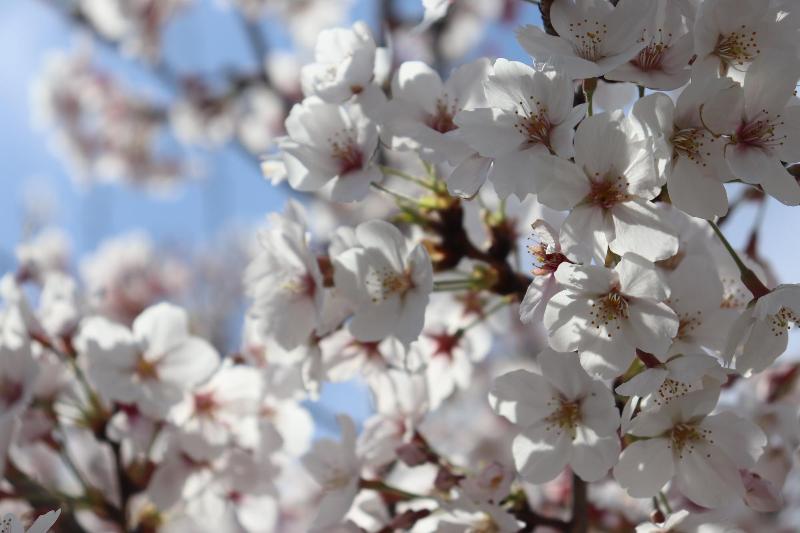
[[760, 133], [782, 321], [608, 192], [384, 284], [650, 57], [670, 390], [301, 285], [738, 47], [442, 119], [689, 143], [688, 323], [347, 154], [146, 370], [547, 262], [535, 127], [444, 344], [566, 416], [609, 308], [683, 438], [205, 404], [10, 392], [587, 39]]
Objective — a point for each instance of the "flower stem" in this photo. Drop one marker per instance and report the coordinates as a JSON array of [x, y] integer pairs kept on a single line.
[[579, 523], [383, 488], [390, 171], [749, 278], [589, 86], [398, 196]]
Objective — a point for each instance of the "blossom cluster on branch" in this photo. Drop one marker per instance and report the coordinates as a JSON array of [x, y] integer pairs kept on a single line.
[[554, 330]]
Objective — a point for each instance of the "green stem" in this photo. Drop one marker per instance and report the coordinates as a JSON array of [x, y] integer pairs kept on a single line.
[[486, 314], [390, 171], [398, 196], [383, 488], [750, 280], [665, 502], [641, 91]]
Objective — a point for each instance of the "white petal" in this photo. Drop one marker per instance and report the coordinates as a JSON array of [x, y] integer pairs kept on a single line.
[[644, 467]]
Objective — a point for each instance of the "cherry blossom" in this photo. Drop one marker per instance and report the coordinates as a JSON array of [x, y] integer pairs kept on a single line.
[[760, 334], [702, 452], [760, 124], [566, 418], [11, 524], [396, 283], [664, 61], [548, 256], [285, 283], [330, 143], [606, 314], [594, 37], [609, 191], [530, 116], [151, 365], [335, 466]]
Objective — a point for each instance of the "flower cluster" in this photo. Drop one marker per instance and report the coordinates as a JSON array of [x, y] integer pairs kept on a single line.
[[623, 373]]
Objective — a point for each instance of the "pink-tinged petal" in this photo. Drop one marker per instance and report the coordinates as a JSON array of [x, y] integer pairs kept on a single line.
[[757, 165], [354, 186], [706, 476], [591, 279], [490, 132], [789, 131], [384, 238], [695, 191], [644, 467], [599, 411], [522, 397], [764, 344], [641, 229], [606, 356], [770, 83], [418, 83], [562, 183], [585, 233], [543, 47], [566, 318], [562, 135], [643, 383], [741, 440], [467, 178], [541, 289], [541, 452], [652, 326], [189, 364], [563, 371], [160, 328], [519, 173], [593, 456], [638, 278]]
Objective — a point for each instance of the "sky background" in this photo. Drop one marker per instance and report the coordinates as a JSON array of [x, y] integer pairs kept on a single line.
[[202, 39]]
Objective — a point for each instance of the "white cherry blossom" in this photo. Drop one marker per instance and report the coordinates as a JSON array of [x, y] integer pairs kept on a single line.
[[606, 314], [761, 333], [337, 469], [152, 365], [669, 45], [329, 143], [548, 256], [762, 126], [594, 36], [565, 418], [700, 451], [285, 283], [388, 283], [609, 191], [11, 524], [344, 64], [530, 116]]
